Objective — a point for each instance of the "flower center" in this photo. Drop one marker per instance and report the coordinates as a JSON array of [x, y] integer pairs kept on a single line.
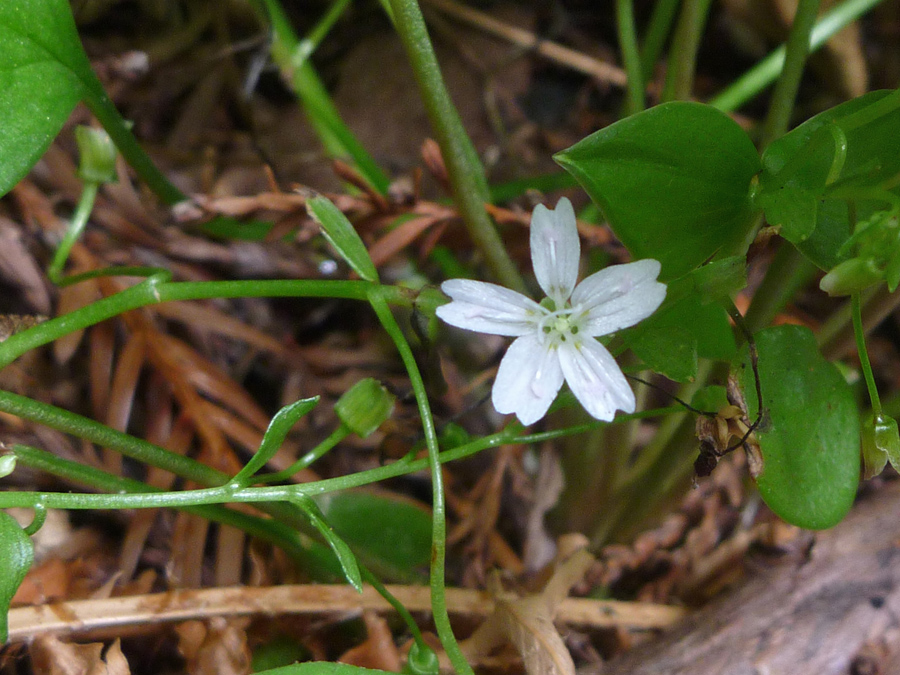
[[561, 325]]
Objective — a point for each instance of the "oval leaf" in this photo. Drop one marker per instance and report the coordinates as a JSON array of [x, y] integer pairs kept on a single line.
[[343, 236], [17, 554], [673, 182], [810, 436], [399, 547]]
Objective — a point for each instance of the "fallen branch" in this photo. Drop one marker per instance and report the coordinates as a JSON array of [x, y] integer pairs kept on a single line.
[[84, 616]]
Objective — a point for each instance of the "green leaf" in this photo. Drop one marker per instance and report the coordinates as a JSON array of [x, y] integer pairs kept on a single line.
[[344, 555], [793, 209], [341, 234], [673, 182], [720, 279], [389, 534], [225, 227], [41, 68], [849, 153], [278, 429], [681, 330], [809, 440], [323, 668], [17, 554]]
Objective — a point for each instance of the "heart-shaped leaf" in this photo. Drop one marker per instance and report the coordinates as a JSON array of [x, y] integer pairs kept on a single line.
[[42, 74], [673, 182]]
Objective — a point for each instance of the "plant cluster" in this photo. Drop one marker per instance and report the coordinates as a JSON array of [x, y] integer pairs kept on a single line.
[[681, 184]]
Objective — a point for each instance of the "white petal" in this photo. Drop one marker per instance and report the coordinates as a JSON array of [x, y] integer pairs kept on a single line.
[[528, 380], [596, 379], [488, 308], [555, 249], [619, 296]]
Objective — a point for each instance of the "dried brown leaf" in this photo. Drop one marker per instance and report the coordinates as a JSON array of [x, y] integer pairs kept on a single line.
[[378, 651], [216, 648], [19, 268], [50, 656], [527, 623]]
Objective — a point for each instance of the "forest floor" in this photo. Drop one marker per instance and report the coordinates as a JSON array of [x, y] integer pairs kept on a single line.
[[206, 377]]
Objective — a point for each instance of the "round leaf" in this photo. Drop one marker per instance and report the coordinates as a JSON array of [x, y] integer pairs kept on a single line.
[[809, 438], [673, 182], [391, 535]]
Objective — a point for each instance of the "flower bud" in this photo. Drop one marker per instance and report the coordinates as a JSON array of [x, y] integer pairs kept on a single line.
[[880, 443], [97, 155], [851, 276], [7, 465], [364, 406]]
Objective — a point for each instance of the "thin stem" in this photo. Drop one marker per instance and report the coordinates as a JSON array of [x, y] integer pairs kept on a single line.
[[683, 54], [864, 363], [76, 227], [630, 56], [317, 452], [158, 289], [768, 70], [661, 21], [315, 558], [464, 169], [439, 519], [797, 51], [120, 132], [836, 338]]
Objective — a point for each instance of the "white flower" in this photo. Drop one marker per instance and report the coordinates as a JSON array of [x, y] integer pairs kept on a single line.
[[555, 339]]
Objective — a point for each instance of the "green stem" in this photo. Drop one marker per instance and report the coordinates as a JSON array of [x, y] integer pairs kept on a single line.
[[283, 493], [464, 169], [660, 24], [769, 69], [864, 363], [333, 439], [315, 558], [630, 56], [439, 519], [76, 227], [120, 132], [683, 54], [797, 51], [157, 289]]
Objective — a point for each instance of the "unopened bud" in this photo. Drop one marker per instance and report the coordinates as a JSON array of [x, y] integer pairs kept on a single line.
[[851, 276], [97, 155], [365, 406]]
